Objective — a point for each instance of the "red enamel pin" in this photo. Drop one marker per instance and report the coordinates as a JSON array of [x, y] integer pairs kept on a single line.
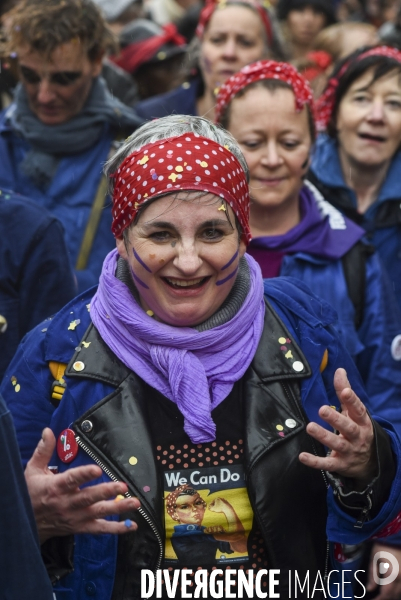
[[67, 447]]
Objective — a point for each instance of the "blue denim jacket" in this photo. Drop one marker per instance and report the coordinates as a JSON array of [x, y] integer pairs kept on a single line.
[[309, 321]]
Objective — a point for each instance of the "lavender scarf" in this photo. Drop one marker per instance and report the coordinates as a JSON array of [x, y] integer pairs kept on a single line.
[[194, 369]]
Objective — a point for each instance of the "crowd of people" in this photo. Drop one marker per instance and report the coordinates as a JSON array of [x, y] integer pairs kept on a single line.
[[201, 372]]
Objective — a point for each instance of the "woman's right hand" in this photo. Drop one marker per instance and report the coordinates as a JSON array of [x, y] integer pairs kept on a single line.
[[61, 507]]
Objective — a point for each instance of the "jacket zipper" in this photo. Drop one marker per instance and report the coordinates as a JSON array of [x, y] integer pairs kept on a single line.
[[110, 474]]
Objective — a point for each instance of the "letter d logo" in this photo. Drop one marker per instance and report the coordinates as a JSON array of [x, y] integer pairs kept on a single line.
[[384, 567]]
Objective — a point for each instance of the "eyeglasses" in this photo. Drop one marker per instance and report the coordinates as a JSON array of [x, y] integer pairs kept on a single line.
[[63, 78]]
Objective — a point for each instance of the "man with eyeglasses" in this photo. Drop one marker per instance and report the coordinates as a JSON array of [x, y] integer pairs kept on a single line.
[[63, 123]]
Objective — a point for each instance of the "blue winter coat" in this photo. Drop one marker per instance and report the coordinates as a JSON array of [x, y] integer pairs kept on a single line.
[[69, 197], [22, 573], [36, 278], [370, 346], [180, 101], [309, 321], [326, 169]]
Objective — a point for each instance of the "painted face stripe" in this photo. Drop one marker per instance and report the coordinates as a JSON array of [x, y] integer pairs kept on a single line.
[[228, 277], [139, 280], [230, 261], [139, 259]]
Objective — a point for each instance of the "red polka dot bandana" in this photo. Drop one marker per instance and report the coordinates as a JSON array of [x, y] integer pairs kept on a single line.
[[186, 162], [325, 104], [265, 69], [211, 6]]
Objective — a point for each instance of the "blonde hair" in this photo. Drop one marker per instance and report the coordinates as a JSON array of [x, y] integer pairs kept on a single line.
[[332, 39]]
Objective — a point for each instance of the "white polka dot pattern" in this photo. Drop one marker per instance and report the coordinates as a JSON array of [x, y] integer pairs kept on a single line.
[[265, 69], [186, 162]]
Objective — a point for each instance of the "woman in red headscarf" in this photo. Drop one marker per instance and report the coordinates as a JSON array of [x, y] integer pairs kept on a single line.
[[182, 371], [230, 35], [269, 109], [357, 160]]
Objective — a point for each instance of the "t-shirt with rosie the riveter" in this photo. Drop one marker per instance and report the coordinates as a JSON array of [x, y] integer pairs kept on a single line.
[[208, 516]]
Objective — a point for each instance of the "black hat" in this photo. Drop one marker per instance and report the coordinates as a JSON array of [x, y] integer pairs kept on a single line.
[[142, 30], [325, 6]]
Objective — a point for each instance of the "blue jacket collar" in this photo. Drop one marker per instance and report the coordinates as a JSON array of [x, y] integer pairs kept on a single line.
[[326, 166]]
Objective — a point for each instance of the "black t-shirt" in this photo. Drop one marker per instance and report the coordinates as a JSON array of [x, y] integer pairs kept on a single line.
[[208, 516]]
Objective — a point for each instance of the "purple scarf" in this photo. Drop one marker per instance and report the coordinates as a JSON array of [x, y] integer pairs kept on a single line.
[[323, 230], [196, 370]]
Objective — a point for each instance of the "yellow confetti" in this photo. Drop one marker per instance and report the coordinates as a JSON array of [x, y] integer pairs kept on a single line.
[[136, 205], [118, 498], [226, 147], [13, 380], [72, 325], [216, 91], [281, 340], [279, 427], [203, 164], [144, 160], [288, 354], [334, 407], [173, 176], [150, 313], [133, 460], [86, 344], [17, 387], [179, 169], [222, 207]]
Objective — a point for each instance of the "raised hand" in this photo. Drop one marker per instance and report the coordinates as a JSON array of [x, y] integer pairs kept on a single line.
[[352, 449], [61, 507]]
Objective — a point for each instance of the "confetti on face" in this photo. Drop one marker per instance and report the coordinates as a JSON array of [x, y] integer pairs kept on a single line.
[[139, 259]]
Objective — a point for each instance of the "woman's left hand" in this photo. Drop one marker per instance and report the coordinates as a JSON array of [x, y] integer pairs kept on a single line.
[[352, 448]]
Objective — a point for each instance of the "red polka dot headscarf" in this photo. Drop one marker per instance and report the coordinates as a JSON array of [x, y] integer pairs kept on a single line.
[[325, 104], [265, 69], [211, 5], [185, 162]]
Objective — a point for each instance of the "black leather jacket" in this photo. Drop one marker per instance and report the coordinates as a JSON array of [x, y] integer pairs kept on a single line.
[[288, 498]]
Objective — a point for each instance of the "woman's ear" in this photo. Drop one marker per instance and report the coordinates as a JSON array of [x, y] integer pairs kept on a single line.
[[122, 250], [242, 248]]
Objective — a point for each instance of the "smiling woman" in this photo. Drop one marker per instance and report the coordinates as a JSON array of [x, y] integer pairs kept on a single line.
[[268, 107], [188, 252], [357, 160], [230, 35], [187, 368]]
